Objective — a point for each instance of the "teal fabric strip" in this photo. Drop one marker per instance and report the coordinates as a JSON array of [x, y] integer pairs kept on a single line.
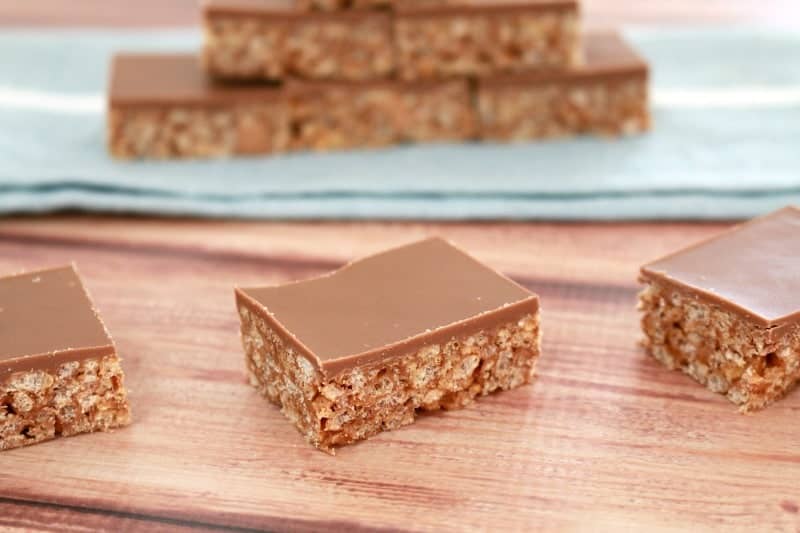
[[725, 145]]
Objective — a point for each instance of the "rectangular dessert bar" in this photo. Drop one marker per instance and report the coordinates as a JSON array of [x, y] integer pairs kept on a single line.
[[339, 115], [485, 37], [163, 106], [607, 95], [276, 39], [727, 311], [59, 371], [362, 350]]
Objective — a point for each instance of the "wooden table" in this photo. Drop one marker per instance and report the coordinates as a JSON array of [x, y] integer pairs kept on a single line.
[[606, 439]]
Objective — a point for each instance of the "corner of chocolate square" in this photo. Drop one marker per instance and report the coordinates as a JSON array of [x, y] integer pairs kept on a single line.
[[164, 106], [607, 94], [274, 39], [359, 351], [59, 370], [483, 38], [726, 311], [338, 115]]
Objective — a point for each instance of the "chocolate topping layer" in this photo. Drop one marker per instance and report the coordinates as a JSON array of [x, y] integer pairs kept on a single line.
[[175, 79], [606, 55], [293, 86], [466, 7], [390, 304], [248, 6], [286, 9], [46, 319], [752, 269]]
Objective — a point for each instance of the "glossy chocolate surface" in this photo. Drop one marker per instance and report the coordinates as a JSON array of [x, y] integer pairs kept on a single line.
[[304, 87], [467, 7], [46, 319], [606, 56], [752, 269], [247, 6], [176, 79], [389, 304], [285, 9]]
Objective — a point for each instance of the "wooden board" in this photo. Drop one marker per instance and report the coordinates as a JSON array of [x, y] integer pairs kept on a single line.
[[605, 439]]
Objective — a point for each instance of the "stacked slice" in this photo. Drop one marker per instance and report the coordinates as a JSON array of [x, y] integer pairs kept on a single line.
[[278, 75]]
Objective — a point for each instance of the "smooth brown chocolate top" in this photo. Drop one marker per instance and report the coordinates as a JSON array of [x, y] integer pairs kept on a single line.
[[606, 56], [175, 79], [46, 319], [609, 51], [249, 6], [752, 269], [293, 86], [284, 9], [466, 7], [390, 304]]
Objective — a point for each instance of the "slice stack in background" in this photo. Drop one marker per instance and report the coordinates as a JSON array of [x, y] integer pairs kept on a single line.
[[286, 75]]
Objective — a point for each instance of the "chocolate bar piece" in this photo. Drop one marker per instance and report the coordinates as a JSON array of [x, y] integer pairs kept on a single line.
[[485, 37], [608, 95], [275, 39], [727, 311], [327, 116], [59, 371], [360, 351], [163, 106]]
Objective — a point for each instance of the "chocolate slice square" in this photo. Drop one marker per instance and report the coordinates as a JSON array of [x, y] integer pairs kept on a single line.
[[59, 371], [726, 311], [342, 115], [484, 38], [163, 106], [607, 95], [362, 350], [277, 39]]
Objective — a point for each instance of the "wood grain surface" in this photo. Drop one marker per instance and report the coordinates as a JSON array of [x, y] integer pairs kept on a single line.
[[606, 439]]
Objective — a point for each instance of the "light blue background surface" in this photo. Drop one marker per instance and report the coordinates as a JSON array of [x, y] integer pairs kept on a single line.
[[720, 161]]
